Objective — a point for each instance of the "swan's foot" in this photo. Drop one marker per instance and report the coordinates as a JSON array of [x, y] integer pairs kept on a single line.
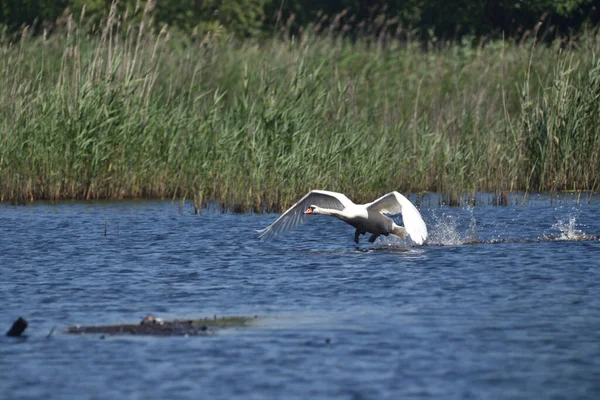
[[356, 234], [373, 238]]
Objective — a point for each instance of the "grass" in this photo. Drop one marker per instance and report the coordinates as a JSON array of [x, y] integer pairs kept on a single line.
[[130, 113]]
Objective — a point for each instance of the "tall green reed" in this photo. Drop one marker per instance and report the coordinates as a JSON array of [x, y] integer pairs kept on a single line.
[[131, 112]]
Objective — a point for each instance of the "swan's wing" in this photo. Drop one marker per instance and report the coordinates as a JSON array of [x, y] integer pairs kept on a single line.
[[394, 203], [295, 214]]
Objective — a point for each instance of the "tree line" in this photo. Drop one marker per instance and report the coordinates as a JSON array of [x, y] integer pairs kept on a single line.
[[448, 19]]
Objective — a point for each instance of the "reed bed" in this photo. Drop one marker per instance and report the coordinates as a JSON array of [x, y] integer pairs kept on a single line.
[[132, 112]]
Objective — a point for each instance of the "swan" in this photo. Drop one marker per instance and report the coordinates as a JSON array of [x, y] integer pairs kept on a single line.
[[364, 217]]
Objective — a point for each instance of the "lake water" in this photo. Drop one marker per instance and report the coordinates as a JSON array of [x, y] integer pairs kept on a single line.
[[503, 302]]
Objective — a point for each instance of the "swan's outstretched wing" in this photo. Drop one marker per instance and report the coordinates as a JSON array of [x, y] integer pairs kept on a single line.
[[394, 203], [295, 214]]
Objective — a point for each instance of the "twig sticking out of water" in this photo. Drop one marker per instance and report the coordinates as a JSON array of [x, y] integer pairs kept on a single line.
[[49, 335]]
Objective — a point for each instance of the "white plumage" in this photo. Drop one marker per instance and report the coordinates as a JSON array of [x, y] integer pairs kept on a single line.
[[366, 218]]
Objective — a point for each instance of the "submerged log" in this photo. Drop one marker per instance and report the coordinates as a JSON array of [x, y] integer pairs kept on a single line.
[[153, 326], [17, 327]]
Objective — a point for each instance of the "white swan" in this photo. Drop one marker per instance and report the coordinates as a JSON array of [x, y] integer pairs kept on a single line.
[[364, 217]]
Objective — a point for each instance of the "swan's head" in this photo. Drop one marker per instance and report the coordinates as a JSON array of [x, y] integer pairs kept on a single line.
[[312, 210]]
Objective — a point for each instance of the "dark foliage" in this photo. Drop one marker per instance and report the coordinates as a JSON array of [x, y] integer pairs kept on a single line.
[[427, 18]]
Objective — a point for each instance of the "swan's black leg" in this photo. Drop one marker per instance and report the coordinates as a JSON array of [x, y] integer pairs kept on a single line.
[[356, 234], [373, 238]]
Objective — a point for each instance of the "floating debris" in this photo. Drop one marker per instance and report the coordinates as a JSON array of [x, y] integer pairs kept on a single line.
[[150, 319], [153, 326]]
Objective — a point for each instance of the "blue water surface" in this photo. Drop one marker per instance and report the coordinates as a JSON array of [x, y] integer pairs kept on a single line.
[[503, 302]]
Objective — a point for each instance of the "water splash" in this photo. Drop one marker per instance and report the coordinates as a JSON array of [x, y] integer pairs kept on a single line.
[[393, 243], [568, 230], [446, 230], [450, 229]]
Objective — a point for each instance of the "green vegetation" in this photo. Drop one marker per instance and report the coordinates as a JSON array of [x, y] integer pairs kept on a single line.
[[255, 123]]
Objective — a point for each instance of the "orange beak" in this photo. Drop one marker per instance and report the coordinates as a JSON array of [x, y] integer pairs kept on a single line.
[[308, 211]]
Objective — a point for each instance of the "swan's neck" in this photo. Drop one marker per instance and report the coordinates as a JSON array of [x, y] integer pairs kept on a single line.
[[328, 211]]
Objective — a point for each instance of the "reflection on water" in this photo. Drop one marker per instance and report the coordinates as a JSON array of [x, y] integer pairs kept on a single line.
[[502, 302]]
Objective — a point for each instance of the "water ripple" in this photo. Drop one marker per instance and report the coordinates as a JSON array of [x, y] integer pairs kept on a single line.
[[502, 302]]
